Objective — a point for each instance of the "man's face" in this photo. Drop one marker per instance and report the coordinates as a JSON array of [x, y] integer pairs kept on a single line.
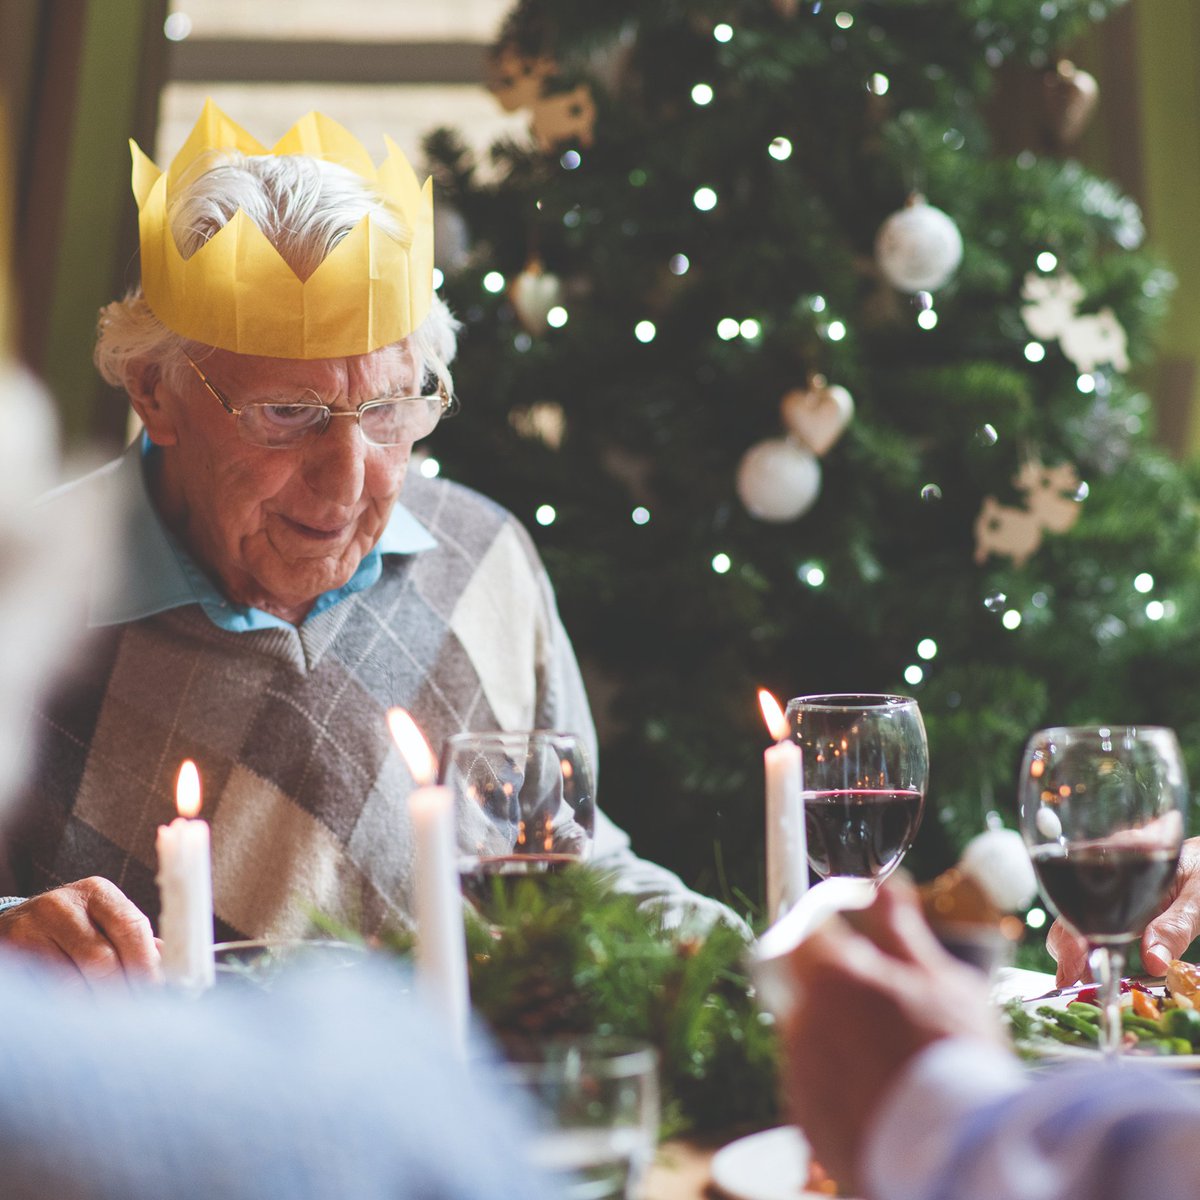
[[276, 528]]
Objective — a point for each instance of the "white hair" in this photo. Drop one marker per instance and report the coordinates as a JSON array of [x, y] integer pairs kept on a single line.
[[305, 206]]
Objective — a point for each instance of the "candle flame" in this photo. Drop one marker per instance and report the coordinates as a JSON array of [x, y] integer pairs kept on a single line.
[[773, 715], [187, 789], [413, 747]]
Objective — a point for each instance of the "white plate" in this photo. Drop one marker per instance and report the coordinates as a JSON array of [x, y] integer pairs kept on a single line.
[[772, 1165]]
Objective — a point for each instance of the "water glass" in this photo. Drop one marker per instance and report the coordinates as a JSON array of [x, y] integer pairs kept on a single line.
[[596, 1110]]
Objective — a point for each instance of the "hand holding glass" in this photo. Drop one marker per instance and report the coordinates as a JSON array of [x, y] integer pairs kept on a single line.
[[866, 769], [1102, 812]]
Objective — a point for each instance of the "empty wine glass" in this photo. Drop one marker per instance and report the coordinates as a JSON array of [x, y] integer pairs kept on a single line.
[[866, 770], [524, 803], [1102, 812]]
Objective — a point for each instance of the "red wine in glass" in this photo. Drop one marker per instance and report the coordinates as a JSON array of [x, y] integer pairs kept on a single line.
[[862, 832], [482, 877], [866, 768], [1103, 814], [524, 803], [1107, 892]]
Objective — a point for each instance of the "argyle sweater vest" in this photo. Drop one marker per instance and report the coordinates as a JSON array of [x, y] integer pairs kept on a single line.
[[305, 792]]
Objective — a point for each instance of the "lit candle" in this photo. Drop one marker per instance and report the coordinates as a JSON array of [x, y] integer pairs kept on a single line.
[[787, 844], [441, 938], [185, 922]]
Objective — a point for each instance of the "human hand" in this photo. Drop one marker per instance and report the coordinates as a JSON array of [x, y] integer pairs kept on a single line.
[[90, 927], [872, 990], [1165, 938]]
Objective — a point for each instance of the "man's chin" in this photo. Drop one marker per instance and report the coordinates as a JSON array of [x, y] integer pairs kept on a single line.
[[302, 583]]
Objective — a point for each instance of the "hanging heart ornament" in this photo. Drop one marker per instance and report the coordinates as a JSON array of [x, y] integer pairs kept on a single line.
[[534, 292], [818, 414]]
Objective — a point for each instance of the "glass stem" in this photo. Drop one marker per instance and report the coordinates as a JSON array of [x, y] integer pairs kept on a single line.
[[1107, 963]]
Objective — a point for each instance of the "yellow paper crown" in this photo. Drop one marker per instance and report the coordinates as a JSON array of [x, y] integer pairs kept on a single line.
[[237, 292]]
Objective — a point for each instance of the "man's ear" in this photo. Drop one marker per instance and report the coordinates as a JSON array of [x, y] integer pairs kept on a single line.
[[153, 401]]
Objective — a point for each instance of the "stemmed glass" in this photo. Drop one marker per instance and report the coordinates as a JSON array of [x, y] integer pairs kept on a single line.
[[866, 769], [524, 803], [1103, 813]]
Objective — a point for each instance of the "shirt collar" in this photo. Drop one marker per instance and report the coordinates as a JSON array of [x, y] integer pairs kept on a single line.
[[155, 573]]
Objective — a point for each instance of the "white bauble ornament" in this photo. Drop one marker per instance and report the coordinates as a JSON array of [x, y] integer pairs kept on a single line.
[[918, 248], [778, 480], [534, 293], [818, 414], [998, 862]]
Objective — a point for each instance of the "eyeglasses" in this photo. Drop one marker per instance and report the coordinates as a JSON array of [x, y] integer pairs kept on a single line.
[[391, 421]]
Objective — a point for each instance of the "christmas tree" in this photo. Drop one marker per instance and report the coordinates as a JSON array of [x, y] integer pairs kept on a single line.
[[800, 382]]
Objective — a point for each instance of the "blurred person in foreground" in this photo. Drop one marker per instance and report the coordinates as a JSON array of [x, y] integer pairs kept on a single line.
[[271, 595], [898, 1073]]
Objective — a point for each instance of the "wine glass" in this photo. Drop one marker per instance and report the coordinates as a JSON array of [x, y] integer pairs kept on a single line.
[[866, 769], [1102, 812], [524, 803]]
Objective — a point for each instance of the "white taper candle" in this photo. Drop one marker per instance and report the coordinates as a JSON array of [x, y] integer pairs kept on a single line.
[[185, 922], [441, 936], [786, 840]]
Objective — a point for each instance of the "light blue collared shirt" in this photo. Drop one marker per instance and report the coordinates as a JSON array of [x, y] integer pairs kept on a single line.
[[156, 573]]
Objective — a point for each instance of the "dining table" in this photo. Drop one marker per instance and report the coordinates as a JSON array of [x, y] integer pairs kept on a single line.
[[682, 1169]]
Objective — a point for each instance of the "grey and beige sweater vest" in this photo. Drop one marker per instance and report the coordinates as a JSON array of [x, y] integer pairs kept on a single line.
[[302, 785]]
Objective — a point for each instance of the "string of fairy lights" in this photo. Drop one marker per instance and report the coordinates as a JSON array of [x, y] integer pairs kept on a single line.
[[833, 328]]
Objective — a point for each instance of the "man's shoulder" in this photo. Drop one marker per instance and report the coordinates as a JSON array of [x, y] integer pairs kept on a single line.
[[450, 510], [467, 524]]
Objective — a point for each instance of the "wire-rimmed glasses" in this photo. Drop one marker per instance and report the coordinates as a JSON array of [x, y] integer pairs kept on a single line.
[[388, 421]]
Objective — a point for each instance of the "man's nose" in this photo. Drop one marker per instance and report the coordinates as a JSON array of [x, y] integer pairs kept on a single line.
[[334, 460]]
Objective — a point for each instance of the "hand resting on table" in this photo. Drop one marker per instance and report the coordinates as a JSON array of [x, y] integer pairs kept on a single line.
[[90, 926]]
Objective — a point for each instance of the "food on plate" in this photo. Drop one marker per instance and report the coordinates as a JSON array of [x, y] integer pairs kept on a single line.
[[819, 1181], [1157, 1018], [1183, 981]]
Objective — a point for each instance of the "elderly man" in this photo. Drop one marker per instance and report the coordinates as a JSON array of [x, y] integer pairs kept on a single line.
[[251, 1094], [271, 597]]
